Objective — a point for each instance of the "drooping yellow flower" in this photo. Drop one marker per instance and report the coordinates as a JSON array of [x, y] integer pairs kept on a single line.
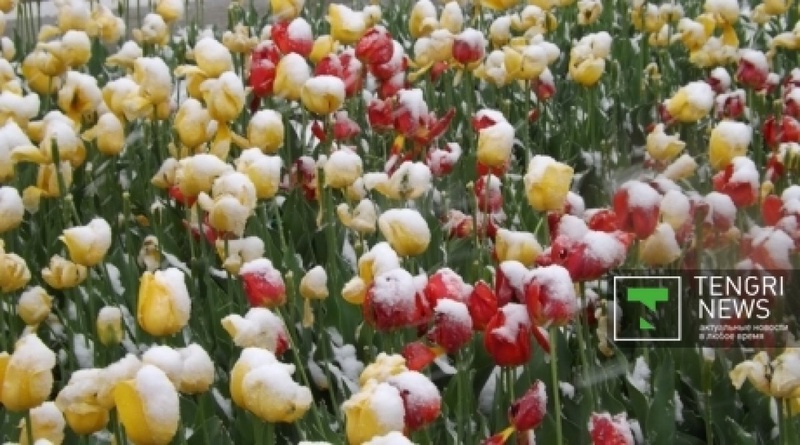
[[452, 17], [47, 424], [196, 174], [28, 376], [547, 183], [34, 306], [125, 56], [191, 121], [78, 401], [323, 45], [79, 96], [239, 40], [148, 407], [109, 326], [322, 94], [154, 31], [74, 48], [232, 201], [375, 410], [291, 74], [106, 26], [39, 81], [342, 168], [384, 366], [517, 246], [286, 9], [163, 307], [728, 140], [405, 230], [108, 133], [153, 77], [63, 274], [663, 147], [47, 179], [498, 5], [88, 245], [250, 359], [755, 370], [347, 26], [362, 218], [589, 11]]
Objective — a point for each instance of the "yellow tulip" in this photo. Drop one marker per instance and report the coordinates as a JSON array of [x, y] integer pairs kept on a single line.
[[4, 359], [777, 7], [728, 140], [154, 31], [355, 291], [212, 57], [291, 74], [547, 183], [47, 179], [12, 209], [362, 218], [286, 9], [495, 144], [586, 71], [239, 40], [6, 6], [375, 410], [47, 424], [109, 326], [109, 28], [259, 328], [224, 97], [79, 96], [225, 213], [14, 272], [164, 306], [755, 370], [88, 245], [347, 26], [263, 170], [153, 77], [785, 381], [117, 93], [589, 11], [691, 103], [342, 168], [108, 133], [272, 395], [196, 174], [148, 407], [663, 147], [660, 248], [191, 120], [384, 366], [314, 284], [516, 246], [452, 17], [34, 306], [405, 230], [498, 5], [322, 94], [86, 418], [170, 10], [525, 63], [266, 131], [127, 54], [323, 45], [63, 274], [28, 377], [250, 359], [197, 370]]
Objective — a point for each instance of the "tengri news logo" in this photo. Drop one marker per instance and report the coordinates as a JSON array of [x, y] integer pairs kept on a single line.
[[643, 301]]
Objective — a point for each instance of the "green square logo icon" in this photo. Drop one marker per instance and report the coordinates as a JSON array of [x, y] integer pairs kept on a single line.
[[643, 300]]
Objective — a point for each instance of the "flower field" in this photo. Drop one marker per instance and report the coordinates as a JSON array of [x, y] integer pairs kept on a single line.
[[395, 222]]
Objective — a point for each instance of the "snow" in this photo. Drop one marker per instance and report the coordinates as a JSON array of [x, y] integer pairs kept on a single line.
[[454, 311], [109, 315], [394, 437], [31, 354], [700, 95], [516, 318], [557, 284], [641, 195], [121, 370], [158, 395], [346, 356], [83, 349], [721, 206], [604, 248], [299, 30], [572, 227], [410, 181], [395, 288], [640, 376], [418, 389], [387, 405], [515, 273], [744, 171], [736, 134], [411, 222], [167, 360], [11, 206], [173, 279], [498, 140], [325, 85], [722, 76], [258, 328], [567, 389], [675, 208]]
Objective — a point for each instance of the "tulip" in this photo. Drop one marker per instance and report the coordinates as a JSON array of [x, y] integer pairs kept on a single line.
[[34, 306], [239, 40], [272, 395], [191, 120], [259, 328], [323, 94], [452, 327], [163, 306], [28, 376], [154, 31], [384, 367], [197, 370], [375, 410], [507, 336], [286, 9], [63, 274], [663, 147], [88, 245], [197, 173], [14, 272], [405, 230], [550, 296], [785, 379], [660, 248], [109, 326], [293, 36], [375, 47], [153, 77], [393, 301], [728, 140], [547, 183], [342, 168], [421, 399], [605, 429], [12, 209], [234, 253], [170, 10], [499, 5], [516, 246], [362, 218], [469, 47], [78, 401], [266, 131], [482, 305], [495, 144], [79, 96], [224, 97], [636, 205], [263, 284], [446, 284], [47, 424], [148, 406], [323, 46], [347, 26], [109, 27], [691, 103], [112, 140], [291, 74], [739, 180], [409, 181]]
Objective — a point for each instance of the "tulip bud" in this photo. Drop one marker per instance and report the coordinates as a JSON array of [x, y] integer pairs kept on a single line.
[[405, 230], [191, 120], [34, 306], [482, 305], [728, 140], [663, 147], [224, 96], [323, 94], [291, 74], [286, 9], [259, 328], [394, 301], [78, 401], [28, 376], [347, 26], [469, 46], [148, 406], [88, 245], [528, 412], [550, 296], [163, 306], [375, 410], [507, 336], [495, 144], [314, 284], [47, 424], [547, 183], [516, 246], [342, 168], [14, 272], [197, 370], [263, 284], [452, 327], [265, 131], [63, 274], [421, 399], [250, 359], [691, 103], [108, 133], [12, 209], [660, 248], [197, 173], [109, 326], [272, 395]]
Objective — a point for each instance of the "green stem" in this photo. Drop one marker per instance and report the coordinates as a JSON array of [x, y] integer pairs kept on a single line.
[[555, 384], [29, 427]]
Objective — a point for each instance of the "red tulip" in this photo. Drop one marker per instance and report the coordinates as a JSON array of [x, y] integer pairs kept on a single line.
[[469, 46], [421, 398], [771, 210], [393, 302], [607, 430], [380, 114], [445, 283], [752, 70], [396, 64], [489, 194], [739, 180], [263, 284], [528, 411], [375, 47], [508, 282], [442, 160], [452, 325], [550, 296], [418, 355], [787, 130], [482, 305], [636, 205], [293, 36], [508, 336]]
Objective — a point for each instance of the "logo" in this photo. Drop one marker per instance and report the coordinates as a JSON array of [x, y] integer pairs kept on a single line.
[[647, 308]]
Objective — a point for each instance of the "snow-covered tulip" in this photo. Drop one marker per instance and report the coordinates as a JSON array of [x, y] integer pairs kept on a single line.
[[605, 429], [517, 246], [153, 77], [739, 180], [691, 103], [109, 326], [291, 74], [293, 36], [586, 69], [636, 205], [250, 359], [154, 31], [342, 168], [34, 306], [785, 378], [662, 146], [384, 366], [272, 395], [405, 230], [234, 253], [108, 378], [263, 283], [550, 296], [469, 47], [660, 248], [286, 9], [88, 245], [507, 336], [224, 97], [495, 144], [109, 27], [191, 121], [266, 131], [148, 407], [170, 10], [547, 183], [755, 370], [421, 399], [14, 272], [163, 307], [12, 209], [323, 46], [78, 401], [347, 26], [108, 134], [196, 174], [61, 273], [482, 305], [452, 325], [376, 409], [409, 181], [314, 284], [47, 425], [79, 96], [28, 377], [375, 47], [362, 218], [259, 328], [728, 140], [197, 370], [166, 359], [322, 94], [394, 301], [528, 411]]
